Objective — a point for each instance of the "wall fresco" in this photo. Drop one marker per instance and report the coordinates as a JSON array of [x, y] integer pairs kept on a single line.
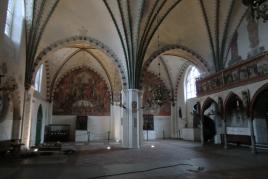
[[253, 36], [82, 92], [151, 82], [234, 50]]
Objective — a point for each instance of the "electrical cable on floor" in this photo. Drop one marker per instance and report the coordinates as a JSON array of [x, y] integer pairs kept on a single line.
[[141, 171]]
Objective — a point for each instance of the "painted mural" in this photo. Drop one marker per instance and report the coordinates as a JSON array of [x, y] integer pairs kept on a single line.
[[151, 82], [82, 92], [248, 41], [234, 50], [253, 36]]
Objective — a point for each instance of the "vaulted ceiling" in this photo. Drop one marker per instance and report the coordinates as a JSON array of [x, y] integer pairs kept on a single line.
[[127, 35]]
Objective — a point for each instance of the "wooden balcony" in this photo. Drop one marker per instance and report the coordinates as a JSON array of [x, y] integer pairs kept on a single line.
[[248, 71]]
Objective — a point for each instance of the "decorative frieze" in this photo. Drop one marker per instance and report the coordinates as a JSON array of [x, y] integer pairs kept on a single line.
[[251, 70]]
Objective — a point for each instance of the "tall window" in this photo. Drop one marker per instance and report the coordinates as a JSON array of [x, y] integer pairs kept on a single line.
[[9, 17], [190, 86], [38, 79]]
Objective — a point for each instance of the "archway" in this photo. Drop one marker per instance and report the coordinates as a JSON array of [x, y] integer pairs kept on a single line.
[[259, 109], [39, 125], [211, 121], [173, 62], [237, 126], [82, 42]]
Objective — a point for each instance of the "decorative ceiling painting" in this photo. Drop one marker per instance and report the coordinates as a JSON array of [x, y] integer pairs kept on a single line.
[[150, 84], [82, 92]]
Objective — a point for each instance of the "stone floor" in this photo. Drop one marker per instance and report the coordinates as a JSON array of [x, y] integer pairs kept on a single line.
[[167, 159]]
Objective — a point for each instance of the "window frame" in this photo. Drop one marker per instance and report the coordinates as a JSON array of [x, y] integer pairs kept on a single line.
[[38, 79], [10, 12], [190, 83]]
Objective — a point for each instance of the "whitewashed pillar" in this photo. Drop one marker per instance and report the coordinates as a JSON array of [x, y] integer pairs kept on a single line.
[[173, 123], [27, 117], [252, 136], [202, 129], [132, 119], [225, 134]]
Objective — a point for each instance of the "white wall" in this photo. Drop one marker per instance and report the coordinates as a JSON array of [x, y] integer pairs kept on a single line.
[[160, 123], [116, 122], [98, 126], [260, 130], [12, 53], [6, 126]]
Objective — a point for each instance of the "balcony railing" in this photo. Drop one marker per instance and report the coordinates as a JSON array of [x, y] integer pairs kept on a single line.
[[248, 71]]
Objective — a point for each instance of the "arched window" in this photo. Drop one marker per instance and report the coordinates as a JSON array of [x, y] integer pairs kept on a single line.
[[9, 17], [38, 79], [190, 87]]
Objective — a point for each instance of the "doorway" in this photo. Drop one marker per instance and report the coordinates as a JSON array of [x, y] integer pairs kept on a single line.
[[39, 125]]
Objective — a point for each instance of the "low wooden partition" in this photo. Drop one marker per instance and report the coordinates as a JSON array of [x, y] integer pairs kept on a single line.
[[237, 139]]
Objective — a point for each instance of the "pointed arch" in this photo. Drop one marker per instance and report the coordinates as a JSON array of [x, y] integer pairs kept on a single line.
[[256, 95], [179, 51], [206, 104], [84, 39], [231, 97]]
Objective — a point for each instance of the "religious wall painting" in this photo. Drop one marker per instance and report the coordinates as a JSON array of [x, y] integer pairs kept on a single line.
[[151, 82], [228, 78], [82, 92], [234, 50], [253, 36], [243, 73], [252, 71], [262, 67]]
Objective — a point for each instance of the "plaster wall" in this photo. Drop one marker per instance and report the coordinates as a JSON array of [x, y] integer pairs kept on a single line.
[[98, 126], [12, 56], [116, 122], [161, 128], [260, 130]]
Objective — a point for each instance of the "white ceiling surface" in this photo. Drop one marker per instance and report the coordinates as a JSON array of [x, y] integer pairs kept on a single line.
[[81, 17], [77, 58], [173, 65], [185, 25], [82, 58]]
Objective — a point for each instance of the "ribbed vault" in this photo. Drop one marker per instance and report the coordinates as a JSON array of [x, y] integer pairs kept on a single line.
[[135, 32]]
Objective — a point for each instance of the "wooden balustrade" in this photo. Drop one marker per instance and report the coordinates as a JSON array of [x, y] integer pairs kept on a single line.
[[248, 71]]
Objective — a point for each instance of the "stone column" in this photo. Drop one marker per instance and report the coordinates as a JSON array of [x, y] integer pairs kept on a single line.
[[132, 119], [252, 136], [50, 113], [111, 121], [225, 134], [202, 129], [173, 123], [16, 101], [27, 117]]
